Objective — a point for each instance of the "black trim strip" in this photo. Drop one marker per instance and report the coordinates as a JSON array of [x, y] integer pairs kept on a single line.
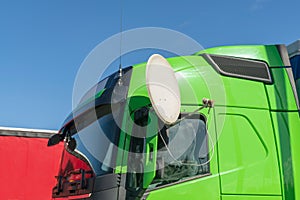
[[281, 67], [29, 133]]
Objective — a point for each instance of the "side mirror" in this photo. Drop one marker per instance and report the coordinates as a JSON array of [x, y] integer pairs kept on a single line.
[[55, 139], [141, 116]]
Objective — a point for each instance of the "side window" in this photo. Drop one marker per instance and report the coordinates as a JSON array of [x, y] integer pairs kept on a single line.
[[295, 62], [182, 151]]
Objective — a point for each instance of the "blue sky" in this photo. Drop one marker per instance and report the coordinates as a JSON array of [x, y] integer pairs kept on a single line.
[[43, 43]]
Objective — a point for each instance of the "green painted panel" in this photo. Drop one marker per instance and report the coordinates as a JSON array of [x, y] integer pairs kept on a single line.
[[151, 149], [287, 129], [294, 128], [137, 85], [281, 96], [247, 152], [267, 53], [198, 80], [206, 188], [246, 197], [201, 82], [245, 93], [124, 143]]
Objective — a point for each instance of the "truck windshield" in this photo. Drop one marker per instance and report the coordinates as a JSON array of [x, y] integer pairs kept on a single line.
[[97, 139], [94, 125]]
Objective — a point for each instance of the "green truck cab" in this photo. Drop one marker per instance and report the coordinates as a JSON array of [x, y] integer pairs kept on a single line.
[[242, 147]]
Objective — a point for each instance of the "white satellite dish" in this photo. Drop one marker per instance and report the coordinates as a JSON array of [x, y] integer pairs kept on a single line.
[[163, 89]]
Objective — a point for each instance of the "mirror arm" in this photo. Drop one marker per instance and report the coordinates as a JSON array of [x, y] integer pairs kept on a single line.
[[55, 139]]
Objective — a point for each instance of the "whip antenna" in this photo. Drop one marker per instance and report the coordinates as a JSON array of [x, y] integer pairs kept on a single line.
[[121, 31]]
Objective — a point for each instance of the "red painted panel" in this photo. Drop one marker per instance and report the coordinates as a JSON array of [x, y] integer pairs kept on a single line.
[[28, 168]]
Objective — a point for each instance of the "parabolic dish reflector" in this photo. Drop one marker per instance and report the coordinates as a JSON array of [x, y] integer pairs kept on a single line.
[[163, 88]]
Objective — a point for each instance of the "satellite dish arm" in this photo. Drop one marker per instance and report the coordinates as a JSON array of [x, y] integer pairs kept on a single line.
[[207, 103]]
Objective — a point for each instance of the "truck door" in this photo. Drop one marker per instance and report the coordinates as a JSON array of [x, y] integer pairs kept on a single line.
[[248, 159]]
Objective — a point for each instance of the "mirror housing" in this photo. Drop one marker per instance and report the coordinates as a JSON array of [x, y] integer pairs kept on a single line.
[[55, 139]]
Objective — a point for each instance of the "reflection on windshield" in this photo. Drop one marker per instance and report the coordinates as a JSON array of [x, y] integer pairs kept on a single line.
[[94, 90], [98, 143], [108, 82]]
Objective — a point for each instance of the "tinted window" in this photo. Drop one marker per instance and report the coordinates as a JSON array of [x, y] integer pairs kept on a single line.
[[295, 62]]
